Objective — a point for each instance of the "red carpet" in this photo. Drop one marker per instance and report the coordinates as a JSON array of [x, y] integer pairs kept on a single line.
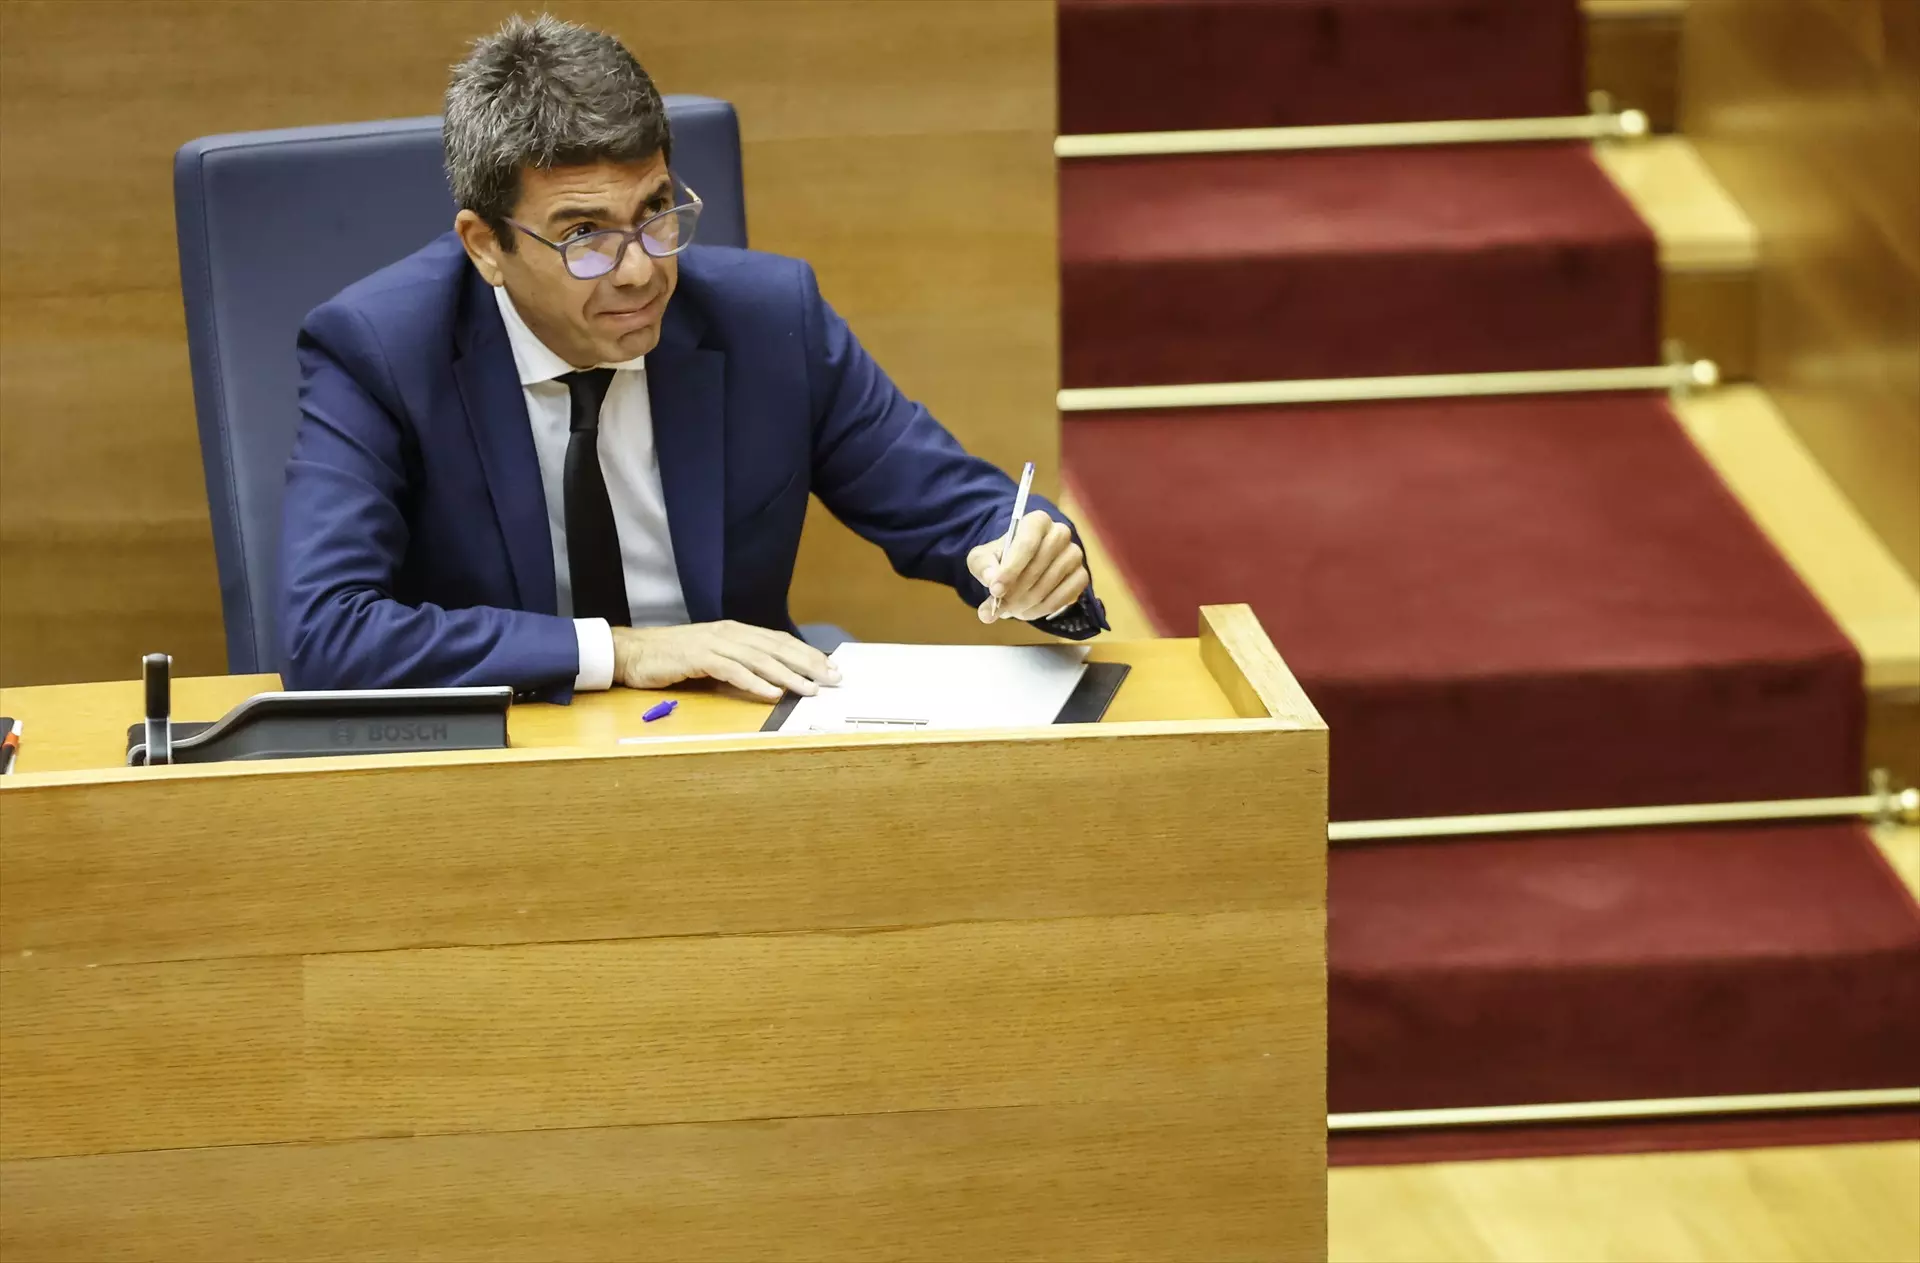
[[1167, 65], [1248, 267], [1618, 966], [1497, 605]]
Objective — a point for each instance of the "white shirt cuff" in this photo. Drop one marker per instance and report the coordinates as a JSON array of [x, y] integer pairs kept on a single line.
[[596, 655]]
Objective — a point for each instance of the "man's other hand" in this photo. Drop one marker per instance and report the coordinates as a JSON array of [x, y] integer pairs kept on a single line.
[[1044, 571], [752, 659]]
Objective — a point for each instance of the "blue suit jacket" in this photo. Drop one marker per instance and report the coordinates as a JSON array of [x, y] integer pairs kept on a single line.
[[414, 544]]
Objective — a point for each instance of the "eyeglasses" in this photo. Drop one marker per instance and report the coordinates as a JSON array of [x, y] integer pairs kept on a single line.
[[594, 254]]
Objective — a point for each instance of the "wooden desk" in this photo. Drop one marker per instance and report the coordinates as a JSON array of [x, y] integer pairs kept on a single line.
[[70, 727], [1047, 993]]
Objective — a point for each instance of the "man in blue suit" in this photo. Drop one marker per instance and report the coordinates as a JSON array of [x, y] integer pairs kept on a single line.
[[562, 448]]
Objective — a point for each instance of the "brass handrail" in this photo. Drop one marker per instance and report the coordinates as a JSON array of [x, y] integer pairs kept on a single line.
[[1884, 806], [1681, 376], [1594, 1111], [1605, 124]]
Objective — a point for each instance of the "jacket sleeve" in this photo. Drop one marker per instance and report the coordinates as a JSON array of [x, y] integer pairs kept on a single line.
[[886, 468], [344, 537]]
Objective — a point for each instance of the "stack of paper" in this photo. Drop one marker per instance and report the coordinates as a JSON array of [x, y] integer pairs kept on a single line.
[[904, 687]]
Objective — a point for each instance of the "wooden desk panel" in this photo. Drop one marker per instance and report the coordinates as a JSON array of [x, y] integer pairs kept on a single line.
[[1047, 993], [381, 852], [734, 837], [1136, 1008], [1199, 1179], [144, 1056], [358, 1045]]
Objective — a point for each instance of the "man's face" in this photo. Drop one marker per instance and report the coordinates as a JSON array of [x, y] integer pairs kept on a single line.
[[609, 318]]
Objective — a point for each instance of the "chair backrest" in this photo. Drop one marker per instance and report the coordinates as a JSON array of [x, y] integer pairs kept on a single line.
[[271, 225]]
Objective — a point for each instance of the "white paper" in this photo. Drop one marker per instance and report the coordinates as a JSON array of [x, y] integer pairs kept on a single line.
[[904, 688]]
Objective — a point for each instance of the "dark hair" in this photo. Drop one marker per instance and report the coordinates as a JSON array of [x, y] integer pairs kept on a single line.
[[542, 94]]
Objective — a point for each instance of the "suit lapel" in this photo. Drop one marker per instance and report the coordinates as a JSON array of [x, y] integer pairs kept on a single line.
[[497, 414], [686, 388]]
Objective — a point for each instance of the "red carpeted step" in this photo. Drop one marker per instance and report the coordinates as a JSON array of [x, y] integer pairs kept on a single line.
[[1163, 65], [1498, 605], [1248, 267], [1652, 963]]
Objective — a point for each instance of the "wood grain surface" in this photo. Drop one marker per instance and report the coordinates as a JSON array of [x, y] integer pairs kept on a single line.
[[1808, 111], [1633, 55], [1046, 993], [449, 1041], [1817, 529], [1713, 315], [1201, 1179], [1855, 1202], [1110, 1009], [1249, 670], [1709, 248], [126, 865], [71, 727], [534, 846], [1698, 226], [204, 1052]]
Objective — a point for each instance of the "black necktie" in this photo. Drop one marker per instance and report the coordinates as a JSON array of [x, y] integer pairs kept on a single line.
[[593, 540]]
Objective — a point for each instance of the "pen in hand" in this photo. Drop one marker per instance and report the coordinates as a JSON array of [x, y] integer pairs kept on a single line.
[[991, 609]]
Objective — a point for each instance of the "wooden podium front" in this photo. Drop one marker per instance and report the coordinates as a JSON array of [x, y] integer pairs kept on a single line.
[[1054, 993]]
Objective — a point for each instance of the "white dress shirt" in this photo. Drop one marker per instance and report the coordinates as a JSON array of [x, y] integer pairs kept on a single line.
[[631, 466]]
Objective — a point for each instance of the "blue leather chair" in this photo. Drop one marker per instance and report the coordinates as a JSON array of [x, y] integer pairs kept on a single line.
[[271, 225]]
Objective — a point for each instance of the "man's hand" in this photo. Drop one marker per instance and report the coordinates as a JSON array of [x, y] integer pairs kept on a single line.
[[752, 659], [1043, 574]]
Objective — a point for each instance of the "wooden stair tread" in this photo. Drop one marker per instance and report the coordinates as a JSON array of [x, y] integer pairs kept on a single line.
[[1819, 532], [1699, 227]]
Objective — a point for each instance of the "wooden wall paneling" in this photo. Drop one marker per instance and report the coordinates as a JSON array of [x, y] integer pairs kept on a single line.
[[1808, 113], [1633, 54], [905, 149], [1134, 1180], [1711, 313], [105, 549], [1893, 735], [1900, 34]]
